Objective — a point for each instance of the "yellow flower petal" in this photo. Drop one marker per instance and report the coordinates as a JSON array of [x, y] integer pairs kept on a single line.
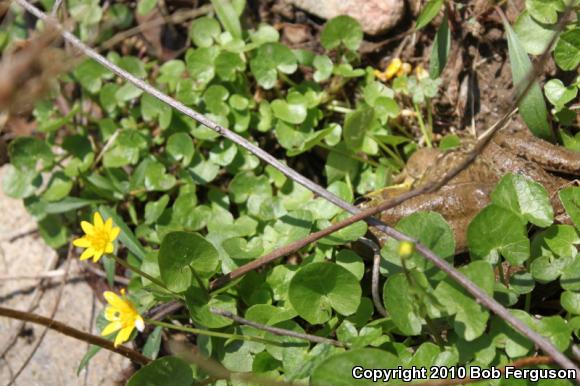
[[88, 228], [123, 335], [97, 256], [114, 300], [393, 68], [111, 328], [114, 233], [83, 242], [112, 314], [109, 225], [109, 248], [98, 220], [87, 254]]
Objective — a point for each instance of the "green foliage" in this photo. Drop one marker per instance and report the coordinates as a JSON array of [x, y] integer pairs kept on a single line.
[[429, 11], [536, 28], [193, 206], [170, 371], [342, 30], [532, 107], [318, 288], [440, 51]]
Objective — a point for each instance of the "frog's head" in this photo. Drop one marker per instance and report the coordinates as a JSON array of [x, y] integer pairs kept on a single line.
[[420, 162]]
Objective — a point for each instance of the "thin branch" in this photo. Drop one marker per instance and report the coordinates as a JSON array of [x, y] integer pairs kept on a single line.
[[375, 275], [475, 291], [55, 7], [275, 330], [74, 333]]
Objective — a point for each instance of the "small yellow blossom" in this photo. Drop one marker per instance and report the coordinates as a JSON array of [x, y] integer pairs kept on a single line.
[[393, 68], [406, 249], [421, 72], [404, 70], [123, 317], [98, 238]]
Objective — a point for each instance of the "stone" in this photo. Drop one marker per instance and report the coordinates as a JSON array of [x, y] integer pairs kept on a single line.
[[375, 16]]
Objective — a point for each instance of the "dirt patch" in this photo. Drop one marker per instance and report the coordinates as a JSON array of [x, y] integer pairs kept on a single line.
[[56, 361]]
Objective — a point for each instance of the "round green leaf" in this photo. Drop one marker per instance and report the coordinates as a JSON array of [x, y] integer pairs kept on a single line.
[[556, 330], [401, 305], [227, 64], [166, 371], [58, 187], [342, 29], [571, 302], [496, 231], [183, 253], [25, 152], [204, 31], [180, 147], [545, 11], [338, 369], [558, 94], [470, 317], [567, 51], [432, 231], [356, 125], [504, 336], [18, 183], [533, 35], [545, 269], [524, 197], [352, 262], [318, 288], [291, 113], [570, 279], [323, 66], [223, 153], [199, 305], [570, 198], [271, 58], [560, 240]]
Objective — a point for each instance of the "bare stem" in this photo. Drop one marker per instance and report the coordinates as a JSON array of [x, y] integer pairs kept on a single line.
[[74, 333], [275, 330]]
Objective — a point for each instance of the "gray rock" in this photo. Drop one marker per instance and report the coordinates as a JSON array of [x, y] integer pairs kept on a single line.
[[375, 16]]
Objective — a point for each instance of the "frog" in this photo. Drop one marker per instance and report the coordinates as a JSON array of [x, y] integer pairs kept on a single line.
[[460, 199]]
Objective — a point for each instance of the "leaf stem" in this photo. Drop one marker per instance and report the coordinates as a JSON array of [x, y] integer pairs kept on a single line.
[[215, 334], [426, 134], [137, 271]]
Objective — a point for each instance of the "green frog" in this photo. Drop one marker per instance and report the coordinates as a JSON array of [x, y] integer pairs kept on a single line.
[[467, 193]]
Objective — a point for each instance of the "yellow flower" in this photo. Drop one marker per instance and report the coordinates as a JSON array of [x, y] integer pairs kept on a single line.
[[98, 238], [406, 249], [421, 72], [393, 68], [123, 317], [404, 70]]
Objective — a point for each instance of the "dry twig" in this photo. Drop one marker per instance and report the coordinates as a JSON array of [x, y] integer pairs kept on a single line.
[[275, 330], [74, 333]]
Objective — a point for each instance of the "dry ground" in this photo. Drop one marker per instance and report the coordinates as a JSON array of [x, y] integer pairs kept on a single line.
[[56, 361]]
